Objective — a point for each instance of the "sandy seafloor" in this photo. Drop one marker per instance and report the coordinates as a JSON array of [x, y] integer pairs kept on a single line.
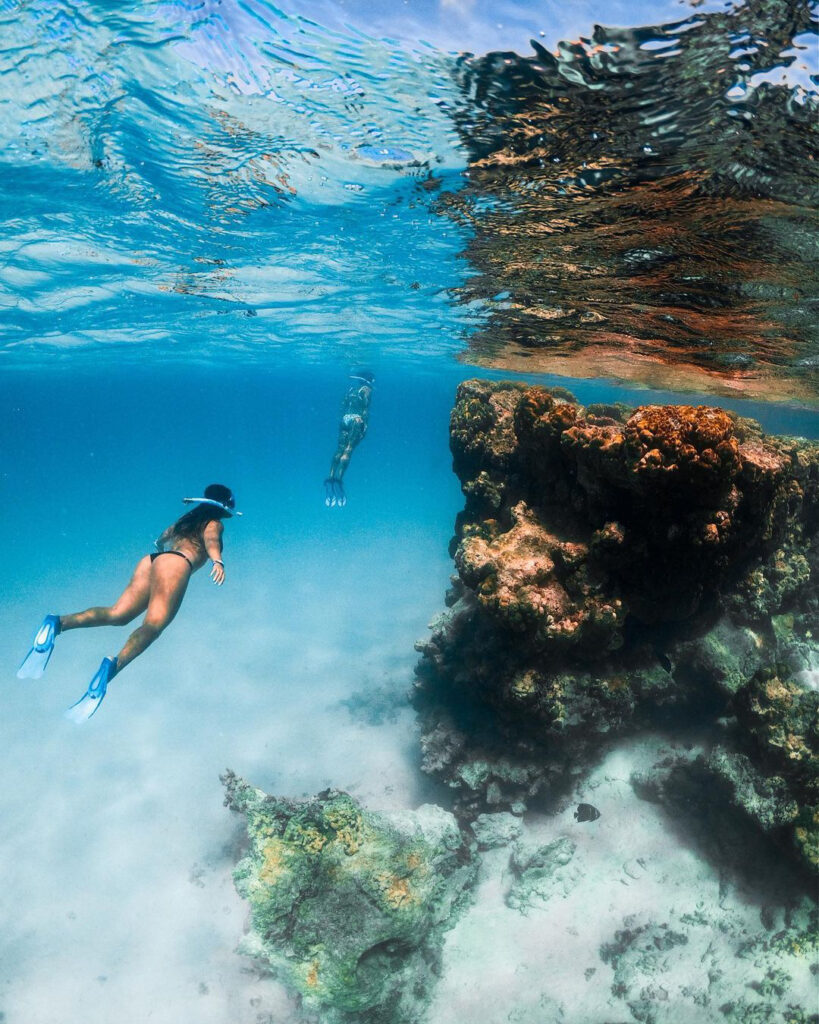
[[635, 871], [117, 898]]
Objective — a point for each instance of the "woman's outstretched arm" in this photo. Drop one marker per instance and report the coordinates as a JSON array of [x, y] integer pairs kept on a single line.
[[213, 545]]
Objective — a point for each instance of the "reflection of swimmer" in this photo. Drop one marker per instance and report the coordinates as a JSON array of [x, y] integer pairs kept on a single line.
[[157, 587], [355, 412]]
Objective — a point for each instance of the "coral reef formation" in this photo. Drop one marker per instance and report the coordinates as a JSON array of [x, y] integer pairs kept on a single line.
[[349, 907], [620, 569]]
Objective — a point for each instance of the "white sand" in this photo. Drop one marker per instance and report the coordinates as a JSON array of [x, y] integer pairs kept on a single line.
[[629, 869], [117, 898]]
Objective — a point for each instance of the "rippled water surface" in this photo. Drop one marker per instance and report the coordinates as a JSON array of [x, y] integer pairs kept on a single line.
[[644, 202], [201, 178]]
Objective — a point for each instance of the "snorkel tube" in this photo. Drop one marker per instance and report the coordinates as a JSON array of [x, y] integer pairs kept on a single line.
[[364, 376], [211, 501]]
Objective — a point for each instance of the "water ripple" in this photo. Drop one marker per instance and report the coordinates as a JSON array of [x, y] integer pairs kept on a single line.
[[645, 201], [203, 178], [165, 164]]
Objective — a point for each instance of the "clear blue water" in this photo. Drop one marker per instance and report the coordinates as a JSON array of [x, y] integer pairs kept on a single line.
[[319, 606], [209, 213]]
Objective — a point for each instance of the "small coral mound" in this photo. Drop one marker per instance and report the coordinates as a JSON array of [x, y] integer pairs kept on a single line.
[[348, 907], [681, 447]]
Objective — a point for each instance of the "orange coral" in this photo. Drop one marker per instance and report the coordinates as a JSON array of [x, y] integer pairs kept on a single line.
[[694, 446]]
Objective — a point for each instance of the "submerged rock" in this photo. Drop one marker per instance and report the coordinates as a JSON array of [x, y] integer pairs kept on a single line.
[[349, 907], [642, 915], [492, 830], [766, 769], [541, 873], [617, 570], [727, 805]]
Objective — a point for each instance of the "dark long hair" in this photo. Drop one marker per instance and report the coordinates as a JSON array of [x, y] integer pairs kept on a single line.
[[190, 525]]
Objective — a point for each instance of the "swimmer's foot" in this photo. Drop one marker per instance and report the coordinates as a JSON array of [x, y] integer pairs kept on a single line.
[[87, 705], [35, 662]]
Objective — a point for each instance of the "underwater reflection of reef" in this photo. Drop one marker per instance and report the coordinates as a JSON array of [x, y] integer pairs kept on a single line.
[[644, 204]]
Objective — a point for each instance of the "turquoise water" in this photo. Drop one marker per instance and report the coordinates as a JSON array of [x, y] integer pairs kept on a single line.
[[320, 607], [209, 214]]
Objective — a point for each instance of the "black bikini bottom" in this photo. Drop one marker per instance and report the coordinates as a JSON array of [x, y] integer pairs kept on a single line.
[[156, 554]]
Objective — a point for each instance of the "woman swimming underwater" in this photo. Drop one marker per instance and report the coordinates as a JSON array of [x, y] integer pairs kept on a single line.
[[157, 587], [355, 415]]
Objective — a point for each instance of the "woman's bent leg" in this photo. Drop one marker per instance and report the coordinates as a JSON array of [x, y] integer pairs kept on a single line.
[[169, 581], [132, 601]]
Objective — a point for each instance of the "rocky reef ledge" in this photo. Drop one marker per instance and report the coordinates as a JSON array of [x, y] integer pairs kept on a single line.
[[620, 570], [349, 907]]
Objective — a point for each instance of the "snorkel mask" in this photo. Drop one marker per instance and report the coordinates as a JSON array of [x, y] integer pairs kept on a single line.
[[211, 501]]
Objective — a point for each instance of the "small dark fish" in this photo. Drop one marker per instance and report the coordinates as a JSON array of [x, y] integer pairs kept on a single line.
[[585, 812]]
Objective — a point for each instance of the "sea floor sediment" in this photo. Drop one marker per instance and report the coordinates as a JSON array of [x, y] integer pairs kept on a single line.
[[629, 917]]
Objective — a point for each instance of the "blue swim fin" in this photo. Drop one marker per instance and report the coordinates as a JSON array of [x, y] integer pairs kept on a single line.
[[87, 705], [34, 663]]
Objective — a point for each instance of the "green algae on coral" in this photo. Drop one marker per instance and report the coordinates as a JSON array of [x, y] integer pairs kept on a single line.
[[348, 907]]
